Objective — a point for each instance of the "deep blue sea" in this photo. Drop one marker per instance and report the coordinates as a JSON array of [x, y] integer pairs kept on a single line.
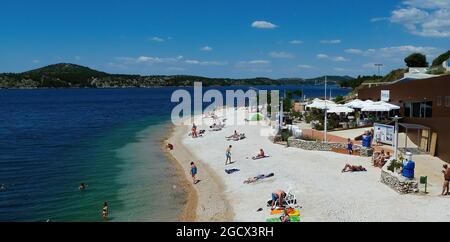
[[51, 140]]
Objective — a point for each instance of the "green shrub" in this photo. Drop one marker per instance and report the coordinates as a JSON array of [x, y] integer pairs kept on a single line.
[[395, 165]]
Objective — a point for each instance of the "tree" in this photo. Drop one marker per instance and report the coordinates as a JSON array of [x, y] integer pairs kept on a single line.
[[298, 93], [339, 99], [440, 59], [416, 60]]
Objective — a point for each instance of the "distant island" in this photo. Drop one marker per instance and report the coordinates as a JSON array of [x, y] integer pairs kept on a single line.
[[65, 75]]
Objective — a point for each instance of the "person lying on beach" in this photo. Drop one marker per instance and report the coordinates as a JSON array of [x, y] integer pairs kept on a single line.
[[215, 127], [236, 135], [194, 171], [278, 198], [258, 178], [350, 168]]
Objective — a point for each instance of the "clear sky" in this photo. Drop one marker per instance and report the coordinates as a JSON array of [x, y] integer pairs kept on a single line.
[[222, 38]]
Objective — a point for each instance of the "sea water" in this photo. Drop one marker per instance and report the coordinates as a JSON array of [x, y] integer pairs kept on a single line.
[[51, 140]]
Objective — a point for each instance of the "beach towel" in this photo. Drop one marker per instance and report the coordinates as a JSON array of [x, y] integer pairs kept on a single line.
[[294, 219], [231, 171], [291, 212], [258, 178]]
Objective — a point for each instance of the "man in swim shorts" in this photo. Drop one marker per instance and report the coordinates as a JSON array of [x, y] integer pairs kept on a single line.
[[228, 155]]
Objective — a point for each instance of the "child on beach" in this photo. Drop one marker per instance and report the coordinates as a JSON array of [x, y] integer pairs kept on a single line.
[[228, 155], [378, 137], [194, 171], [350, 146]]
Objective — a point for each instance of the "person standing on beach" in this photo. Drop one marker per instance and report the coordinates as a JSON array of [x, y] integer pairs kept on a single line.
[[228, 155], [446, 173], [378, 137], [194, 171]]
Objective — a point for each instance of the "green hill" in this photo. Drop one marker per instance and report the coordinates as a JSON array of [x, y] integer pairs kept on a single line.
[[75, 76]]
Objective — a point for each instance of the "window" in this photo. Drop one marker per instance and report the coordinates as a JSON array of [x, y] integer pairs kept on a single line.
[[419, 109], [407, 108], [416, 110], [439, 101]]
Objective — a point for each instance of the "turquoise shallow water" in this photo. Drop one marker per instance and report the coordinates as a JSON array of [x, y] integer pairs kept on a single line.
[[51, 140]]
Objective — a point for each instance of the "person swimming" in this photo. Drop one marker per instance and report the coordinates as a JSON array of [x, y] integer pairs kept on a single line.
[[105, 210], [82, 186], [3, 188]]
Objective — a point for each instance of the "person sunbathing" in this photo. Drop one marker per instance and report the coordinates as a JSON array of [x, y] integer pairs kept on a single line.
[[236, 135], [257, 178], [260, 155], [351, 168]]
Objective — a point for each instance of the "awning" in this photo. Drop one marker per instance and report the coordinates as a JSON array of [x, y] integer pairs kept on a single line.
[[340, 109]]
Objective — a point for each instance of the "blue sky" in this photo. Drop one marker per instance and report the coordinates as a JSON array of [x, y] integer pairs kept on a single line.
[[222, 38]]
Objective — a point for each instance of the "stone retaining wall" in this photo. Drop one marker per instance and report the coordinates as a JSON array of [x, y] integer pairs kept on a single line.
[[397, 182], [321, 146], [314, 145]]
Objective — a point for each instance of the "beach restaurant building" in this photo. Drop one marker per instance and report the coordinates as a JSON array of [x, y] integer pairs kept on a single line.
[[423, 102]]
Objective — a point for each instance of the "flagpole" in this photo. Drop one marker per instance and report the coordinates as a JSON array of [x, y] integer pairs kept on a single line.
[[325, 121]]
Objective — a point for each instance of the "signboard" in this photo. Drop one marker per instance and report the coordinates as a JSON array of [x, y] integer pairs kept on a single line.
[[385, 95], [384, 132]]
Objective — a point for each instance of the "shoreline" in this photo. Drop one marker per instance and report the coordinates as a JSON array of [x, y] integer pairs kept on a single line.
[[189, 210], [206, 201]]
